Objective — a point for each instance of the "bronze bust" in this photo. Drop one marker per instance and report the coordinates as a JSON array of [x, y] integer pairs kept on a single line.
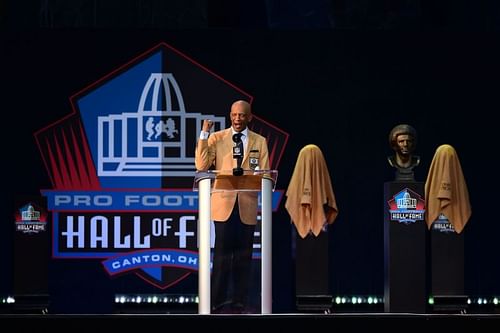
[[403, 140]]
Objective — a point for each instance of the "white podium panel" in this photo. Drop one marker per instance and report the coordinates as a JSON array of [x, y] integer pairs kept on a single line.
[[208, 182]]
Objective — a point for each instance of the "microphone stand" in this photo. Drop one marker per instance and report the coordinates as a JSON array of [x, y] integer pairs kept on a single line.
[[238, 154]]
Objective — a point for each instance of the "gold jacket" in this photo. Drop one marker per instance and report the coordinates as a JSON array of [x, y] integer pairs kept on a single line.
[[217, 151]]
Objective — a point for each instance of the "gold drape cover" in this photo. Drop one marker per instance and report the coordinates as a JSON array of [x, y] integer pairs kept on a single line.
[[446, 191], [310, 199]]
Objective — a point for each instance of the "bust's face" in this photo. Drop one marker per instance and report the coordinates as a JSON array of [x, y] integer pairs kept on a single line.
[[405, 144]]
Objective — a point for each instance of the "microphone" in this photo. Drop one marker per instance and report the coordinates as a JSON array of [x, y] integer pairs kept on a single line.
[[238, 154]]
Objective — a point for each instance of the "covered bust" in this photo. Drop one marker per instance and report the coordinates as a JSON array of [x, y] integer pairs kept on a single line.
[[310, 199], [446, 190]]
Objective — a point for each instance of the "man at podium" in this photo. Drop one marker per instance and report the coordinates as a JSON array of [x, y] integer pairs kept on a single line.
[[234, 213]]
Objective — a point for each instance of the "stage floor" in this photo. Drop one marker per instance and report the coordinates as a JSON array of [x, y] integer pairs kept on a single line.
[[349, 322]]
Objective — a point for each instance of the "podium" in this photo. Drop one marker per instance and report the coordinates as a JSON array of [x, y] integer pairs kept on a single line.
[[211, 181], [405, 248]]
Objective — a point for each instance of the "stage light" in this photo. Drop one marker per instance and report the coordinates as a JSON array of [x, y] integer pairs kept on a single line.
[[357, 303], [372, 300], [482, 304], [8, 300], [156, 303]]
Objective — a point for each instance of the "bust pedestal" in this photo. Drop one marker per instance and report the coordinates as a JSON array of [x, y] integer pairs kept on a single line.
[[405, 248]]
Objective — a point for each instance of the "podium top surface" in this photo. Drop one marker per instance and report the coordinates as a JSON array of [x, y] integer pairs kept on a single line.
[[225, 181]]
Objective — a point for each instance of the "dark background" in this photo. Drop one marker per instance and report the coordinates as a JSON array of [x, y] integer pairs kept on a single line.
[[339, 74]]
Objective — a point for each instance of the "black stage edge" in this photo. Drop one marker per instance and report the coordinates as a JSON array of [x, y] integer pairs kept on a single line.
[[405, 248], [249, 323]]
